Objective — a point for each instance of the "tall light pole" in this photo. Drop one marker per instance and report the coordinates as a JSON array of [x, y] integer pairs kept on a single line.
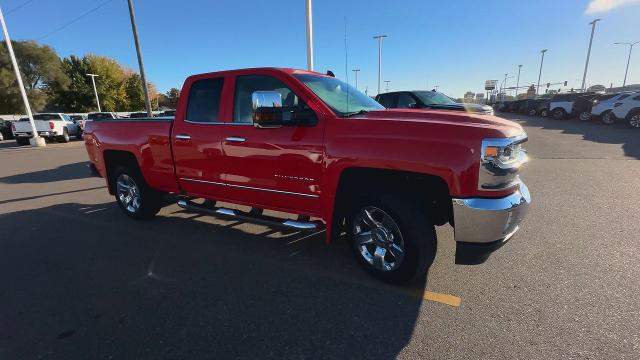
[[356, 71], [540, 73], [36, 140], [628, 59], [379, 37], [586, 65], [504, 87], [518, 81], [95, 91], [309, 36], [386, 83], [143, 77]]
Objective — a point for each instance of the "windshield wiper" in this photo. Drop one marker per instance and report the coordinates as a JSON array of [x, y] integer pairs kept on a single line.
[[350, 114]]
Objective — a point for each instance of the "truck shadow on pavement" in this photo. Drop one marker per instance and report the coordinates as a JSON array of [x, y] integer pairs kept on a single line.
[[592, 130], [73, 171], [188, 286]]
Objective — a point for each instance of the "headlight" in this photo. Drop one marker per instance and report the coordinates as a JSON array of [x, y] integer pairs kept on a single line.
[[500, 162]]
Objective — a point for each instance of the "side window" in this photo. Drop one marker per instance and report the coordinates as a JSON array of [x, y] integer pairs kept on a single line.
[[203, 105], [246, 85], [388, 100], [405, 100]]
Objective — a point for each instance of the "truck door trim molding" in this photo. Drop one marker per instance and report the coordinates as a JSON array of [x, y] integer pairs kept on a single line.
[[249, 187]]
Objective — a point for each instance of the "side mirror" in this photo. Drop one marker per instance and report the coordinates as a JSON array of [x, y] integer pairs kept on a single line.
[[268, 112]]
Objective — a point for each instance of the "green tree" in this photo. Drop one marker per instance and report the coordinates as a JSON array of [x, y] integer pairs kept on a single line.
[[42, 75], [172, 96], [79, 96], [110, 82], [133, 90]]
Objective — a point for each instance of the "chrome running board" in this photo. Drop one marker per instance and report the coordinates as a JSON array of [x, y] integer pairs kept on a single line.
[[256, 217]]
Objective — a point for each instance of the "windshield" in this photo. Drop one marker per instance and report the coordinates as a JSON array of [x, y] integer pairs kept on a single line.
[[434, 98], [342, 98]]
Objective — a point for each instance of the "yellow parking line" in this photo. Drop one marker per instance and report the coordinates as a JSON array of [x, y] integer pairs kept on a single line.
[[434, 296]]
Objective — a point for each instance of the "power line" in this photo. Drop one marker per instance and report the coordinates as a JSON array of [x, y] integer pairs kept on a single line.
[[76, 19], [19, 6]]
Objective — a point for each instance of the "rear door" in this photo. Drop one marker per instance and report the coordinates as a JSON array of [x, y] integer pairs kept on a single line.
[[197, 136], [277, 168]]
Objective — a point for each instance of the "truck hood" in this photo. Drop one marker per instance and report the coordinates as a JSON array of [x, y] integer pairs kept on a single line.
[[452, 118]]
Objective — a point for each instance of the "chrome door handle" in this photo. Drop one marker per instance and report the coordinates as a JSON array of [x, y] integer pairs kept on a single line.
[[183, 137], [235, 139]]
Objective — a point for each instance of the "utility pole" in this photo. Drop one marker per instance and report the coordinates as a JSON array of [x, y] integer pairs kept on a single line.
[[309, 36], [95, 91], [504, 87], [518, 81], [356, 71], [143, 77], [540, 73], [586, 66], [379, 37], [628, 59], [386, 82], [36, 140]]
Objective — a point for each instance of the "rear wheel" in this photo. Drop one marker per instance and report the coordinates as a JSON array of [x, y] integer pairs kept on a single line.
[[584, 116], [634, 120], [135, 198], [559, 114], [393, 237], [544, 112], [532, 112], [608, 118], [65, 136], [1, 137]]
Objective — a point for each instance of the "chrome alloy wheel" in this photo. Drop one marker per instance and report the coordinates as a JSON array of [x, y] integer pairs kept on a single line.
[[378, 239], [128, 193], [635, 121], [585, 116]]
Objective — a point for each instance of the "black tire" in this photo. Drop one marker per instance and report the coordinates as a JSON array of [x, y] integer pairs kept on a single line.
[[633, 120], [544, 112], [64, 138], [150, 201], [22, 141], [558, 113], [417, 234], [1, 137], [79, 134], [532, 112], [608, 118], [584, 116]]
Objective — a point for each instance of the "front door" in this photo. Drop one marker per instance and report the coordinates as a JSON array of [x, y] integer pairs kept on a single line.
[[278, 168]]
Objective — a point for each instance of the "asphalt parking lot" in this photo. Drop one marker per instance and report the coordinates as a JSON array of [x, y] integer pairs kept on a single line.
[[80, 280]]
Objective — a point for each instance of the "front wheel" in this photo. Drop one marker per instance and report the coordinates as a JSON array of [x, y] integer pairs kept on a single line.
[[393, 238], [135, 198], [559, 114], [634, 120], [608, 118], [532, 112], [584, 116], [544, 112]]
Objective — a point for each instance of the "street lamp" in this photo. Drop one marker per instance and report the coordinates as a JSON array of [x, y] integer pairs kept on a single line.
[[518, 81], [36, 140], [586, 65], [628, 59], [356, 71], [540, 73], [95, 91], [379, 37], [309, 36]]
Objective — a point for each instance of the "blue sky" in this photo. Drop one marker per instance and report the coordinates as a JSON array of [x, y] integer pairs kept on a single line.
[[454, 44]]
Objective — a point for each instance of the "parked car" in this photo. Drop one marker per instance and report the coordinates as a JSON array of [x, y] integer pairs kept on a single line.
[[531, 106], [50, 126], [603, 108], [542, 108], [421, 99], [628, 109], [561, 105], [5, 130], [583, 105], [321, 149], [168, 113], [138, 115]]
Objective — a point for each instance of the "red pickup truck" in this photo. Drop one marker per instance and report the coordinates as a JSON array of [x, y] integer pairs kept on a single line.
[[310, 145]]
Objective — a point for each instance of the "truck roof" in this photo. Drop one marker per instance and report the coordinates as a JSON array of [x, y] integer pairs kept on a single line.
[[283, 70]]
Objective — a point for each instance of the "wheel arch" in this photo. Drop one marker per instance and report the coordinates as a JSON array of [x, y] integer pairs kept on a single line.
[[113, 159]]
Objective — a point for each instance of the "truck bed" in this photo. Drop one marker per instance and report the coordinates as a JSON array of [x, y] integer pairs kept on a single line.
[[147, 138]]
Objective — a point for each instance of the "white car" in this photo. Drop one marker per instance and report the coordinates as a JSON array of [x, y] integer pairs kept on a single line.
[[561, 105], [604, 108], [628, 109], [56, 126]]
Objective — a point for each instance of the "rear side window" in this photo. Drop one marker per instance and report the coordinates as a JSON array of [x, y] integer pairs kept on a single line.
[[204, 100], [405, 101], [388, 100]]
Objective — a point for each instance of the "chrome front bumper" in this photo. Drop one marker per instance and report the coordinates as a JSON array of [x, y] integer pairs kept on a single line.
[[483, 225]]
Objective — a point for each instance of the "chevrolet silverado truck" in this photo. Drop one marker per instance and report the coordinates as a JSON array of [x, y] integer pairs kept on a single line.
[[310, 145], [50, 126]]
